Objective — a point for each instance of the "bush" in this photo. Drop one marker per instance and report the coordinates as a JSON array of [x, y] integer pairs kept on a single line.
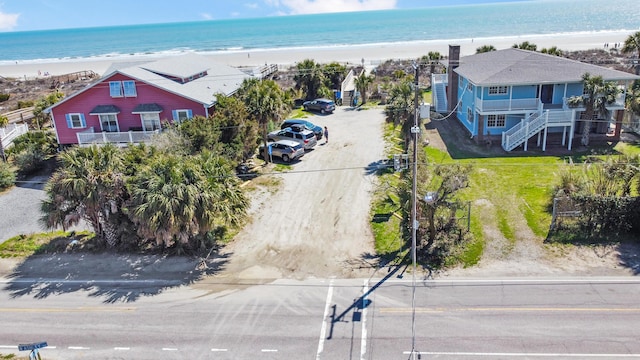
[[7, 176], [25, 104], [44, 141], [4, 97], [29, 160]]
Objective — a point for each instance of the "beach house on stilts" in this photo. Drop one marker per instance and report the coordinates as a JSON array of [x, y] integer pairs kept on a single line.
[[514, 97]]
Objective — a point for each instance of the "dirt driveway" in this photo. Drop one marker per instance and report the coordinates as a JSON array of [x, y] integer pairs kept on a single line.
[[317, 223]]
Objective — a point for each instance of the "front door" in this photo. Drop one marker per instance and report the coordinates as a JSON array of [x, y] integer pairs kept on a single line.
[[546, 94]]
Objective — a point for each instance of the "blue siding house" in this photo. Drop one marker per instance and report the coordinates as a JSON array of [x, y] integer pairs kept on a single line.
[[513, 95]]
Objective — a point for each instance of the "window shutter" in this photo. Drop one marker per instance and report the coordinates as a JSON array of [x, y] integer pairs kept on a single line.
[[189, 114], [69, 124], [82, 121], [174, 113]]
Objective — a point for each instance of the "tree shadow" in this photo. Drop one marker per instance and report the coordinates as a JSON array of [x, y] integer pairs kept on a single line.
[[624, 247], [379, 167], [460, 145], [113, 277]]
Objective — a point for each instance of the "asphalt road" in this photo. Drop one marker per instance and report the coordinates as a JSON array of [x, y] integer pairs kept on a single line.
[[327, 319]]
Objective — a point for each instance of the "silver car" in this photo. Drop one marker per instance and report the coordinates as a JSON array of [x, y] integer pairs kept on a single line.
[[300, 135], [287, 150]]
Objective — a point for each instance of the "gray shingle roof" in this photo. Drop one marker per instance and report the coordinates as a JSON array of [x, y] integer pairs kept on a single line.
[[516, 66], [219, 79], [147, 108], [105, 109]]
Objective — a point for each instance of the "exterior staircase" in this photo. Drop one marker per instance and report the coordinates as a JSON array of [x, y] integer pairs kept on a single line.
[[439, 88], [533, 124]]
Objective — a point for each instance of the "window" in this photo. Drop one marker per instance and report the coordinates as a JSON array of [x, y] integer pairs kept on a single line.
[[469, 115], [150, 121], [129, 88], [496, 120], [182, 115], [108, 122], [76, 121], [469, 86], [497, 90], [115, 88]]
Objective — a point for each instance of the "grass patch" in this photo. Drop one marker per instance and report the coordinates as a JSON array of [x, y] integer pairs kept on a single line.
[[628, 149], [385, 223], [43, 243], [298, 113], [472, 254], [504, 226], [282, 168]]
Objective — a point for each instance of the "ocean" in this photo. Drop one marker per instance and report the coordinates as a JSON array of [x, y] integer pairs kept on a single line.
[[535, 17]]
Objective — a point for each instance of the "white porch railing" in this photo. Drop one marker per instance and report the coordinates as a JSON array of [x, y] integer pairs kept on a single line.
[[130, 137], [533, 124], [12, 131], [507, 104], [439, 78]]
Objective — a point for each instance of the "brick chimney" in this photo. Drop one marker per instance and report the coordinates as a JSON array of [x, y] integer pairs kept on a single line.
[[452, 77]]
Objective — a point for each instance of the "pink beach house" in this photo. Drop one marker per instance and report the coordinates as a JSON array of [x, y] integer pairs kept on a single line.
[[130, 102]]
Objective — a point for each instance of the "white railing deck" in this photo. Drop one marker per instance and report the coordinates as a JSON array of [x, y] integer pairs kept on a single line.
[[507, 104], [532, 125], [12, 131], [439, 79], [130, 137], [262, 72]]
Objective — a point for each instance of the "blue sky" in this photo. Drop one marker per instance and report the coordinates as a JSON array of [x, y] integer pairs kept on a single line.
[[26, 15]]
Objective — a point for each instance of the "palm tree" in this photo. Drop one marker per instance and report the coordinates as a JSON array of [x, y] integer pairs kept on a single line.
[[309, 78], [597, 95], [265, 100], [401, 106], [90, 186], [485, 48], [362, 84], [631, 44], [633, 101], [334, 74], [432, 57], [175, 200], [525, 45]]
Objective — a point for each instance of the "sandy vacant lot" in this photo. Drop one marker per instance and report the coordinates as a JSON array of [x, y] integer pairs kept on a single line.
[[316, 224]]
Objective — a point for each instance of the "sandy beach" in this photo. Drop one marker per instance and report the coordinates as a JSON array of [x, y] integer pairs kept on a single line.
[[370, 54]]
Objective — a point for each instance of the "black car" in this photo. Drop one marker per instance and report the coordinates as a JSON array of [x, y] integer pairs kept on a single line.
[[306, 124], [322, 105]]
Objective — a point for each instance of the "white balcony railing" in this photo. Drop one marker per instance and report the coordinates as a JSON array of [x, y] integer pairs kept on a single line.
[[439, 79], [12, 131], [507, 105], [129, 137]]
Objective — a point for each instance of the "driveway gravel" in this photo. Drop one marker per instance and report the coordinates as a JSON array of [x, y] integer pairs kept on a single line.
[[20, 208]]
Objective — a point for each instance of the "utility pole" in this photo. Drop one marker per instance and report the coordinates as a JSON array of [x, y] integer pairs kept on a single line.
[[415, 131]]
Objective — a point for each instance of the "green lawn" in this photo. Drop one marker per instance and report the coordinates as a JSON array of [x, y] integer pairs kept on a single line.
[[506, 193]]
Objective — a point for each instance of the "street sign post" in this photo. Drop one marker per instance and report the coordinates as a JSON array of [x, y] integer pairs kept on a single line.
[[35, 354], [33, 346]]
